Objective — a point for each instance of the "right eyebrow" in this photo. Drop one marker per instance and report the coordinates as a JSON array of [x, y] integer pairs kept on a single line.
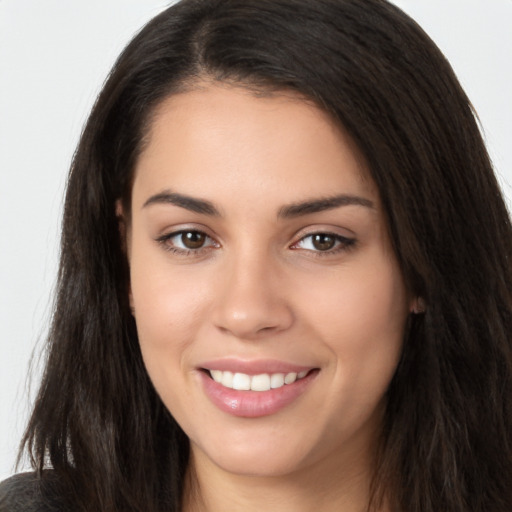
[[321, 204], [190, 203]]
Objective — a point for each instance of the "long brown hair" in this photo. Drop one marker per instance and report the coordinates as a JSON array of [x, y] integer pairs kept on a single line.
[[447, 438]]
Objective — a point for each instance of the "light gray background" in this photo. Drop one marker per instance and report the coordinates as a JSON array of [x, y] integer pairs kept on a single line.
[[54, 56]]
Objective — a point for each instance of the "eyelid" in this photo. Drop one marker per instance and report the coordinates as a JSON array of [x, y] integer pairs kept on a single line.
[[328, 229], [176, 234], [342, 242], [339, 238], [164, 239], [170, 230]]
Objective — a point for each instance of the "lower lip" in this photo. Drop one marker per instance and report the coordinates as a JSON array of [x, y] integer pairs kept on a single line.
[[252, 404]]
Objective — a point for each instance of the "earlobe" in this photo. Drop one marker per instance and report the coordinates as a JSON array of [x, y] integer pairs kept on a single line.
[[418, 306], [130, 299]]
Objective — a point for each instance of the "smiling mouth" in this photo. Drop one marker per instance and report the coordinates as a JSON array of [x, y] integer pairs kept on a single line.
[[261, 382]]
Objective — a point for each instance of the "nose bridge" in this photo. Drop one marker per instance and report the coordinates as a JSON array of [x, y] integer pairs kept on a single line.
[[251, 301]]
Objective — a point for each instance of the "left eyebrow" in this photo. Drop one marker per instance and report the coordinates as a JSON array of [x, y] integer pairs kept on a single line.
[[192, 204], [322, 204]]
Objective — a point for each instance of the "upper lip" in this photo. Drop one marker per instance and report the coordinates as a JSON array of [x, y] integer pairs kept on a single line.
[[254, 367]]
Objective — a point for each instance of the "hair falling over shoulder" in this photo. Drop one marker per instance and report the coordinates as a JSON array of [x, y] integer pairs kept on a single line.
[[446, 443]]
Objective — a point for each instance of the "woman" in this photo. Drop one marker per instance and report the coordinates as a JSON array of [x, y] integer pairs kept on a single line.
[[285, 279]]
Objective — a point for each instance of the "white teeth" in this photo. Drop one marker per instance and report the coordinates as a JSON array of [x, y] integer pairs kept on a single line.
[[276, 380], [290, 378], [227, 379], [216, 375], [261, 382], [241, 382]]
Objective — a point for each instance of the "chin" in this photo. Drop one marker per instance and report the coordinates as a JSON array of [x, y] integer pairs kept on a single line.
[[254, 459]]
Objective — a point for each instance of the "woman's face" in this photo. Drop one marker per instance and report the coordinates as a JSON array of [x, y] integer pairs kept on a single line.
[[259, 258]]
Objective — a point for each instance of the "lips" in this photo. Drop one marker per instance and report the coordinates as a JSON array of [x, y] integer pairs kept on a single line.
[[257, 388]]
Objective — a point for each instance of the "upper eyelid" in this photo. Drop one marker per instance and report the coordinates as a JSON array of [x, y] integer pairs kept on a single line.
[[299, 235], [176, 230], [173, 233], [328, 233], [323, 230], [164, 241]]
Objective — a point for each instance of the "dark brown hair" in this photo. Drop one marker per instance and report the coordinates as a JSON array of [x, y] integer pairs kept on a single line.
[[446, 440]]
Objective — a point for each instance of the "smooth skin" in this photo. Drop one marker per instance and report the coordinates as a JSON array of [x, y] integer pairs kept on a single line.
[[225, 264]]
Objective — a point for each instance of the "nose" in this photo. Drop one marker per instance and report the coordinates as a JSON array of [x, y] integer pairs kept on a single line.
[[251, 302]]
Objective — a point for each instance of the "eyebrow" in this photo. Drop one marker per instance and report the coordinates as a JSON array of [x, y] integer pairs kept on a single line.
[[205, 207], [322, 204], [192, 204]]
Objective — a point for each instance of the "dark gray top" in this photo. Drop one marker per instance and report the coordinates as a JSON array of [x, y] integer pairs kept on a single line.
[[27, 493]]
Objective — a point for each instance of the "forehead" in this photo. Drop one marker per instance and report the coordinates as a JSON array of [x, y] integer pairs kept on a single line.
[[217, 137]]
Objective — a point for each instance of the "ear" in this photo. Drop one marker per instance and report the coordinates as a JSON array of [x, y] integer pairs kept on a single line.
[[125, 246], [121, 224], [418, 306]]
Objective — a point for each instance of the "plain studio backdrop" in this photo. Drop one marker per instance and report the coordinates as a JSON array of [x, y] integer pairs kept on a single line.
[[54, 57]]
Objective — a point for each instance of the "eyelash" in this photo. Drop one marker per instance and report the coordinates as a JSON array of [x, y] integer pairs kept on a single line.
[[184, 251], [341, 243]]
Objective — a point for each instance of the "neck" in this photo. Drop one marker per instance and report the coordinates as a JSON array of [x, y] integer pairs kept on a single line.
[[327, 486]]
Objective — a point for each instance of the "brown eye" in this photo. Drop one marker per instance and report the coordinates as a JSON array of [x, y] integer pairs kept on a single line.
[[187, 242], [193, 239], [323, 242]]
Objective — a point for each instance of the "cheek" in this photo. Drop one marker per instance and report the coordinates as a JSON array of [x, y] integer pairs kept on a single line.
[[365, 299], [169, 306], [161, 308], [361, 315], [168, 314]]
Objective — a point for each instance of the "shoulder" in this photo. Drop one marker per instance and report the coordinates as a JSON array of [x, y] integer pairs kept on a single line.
[[27, 492]]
